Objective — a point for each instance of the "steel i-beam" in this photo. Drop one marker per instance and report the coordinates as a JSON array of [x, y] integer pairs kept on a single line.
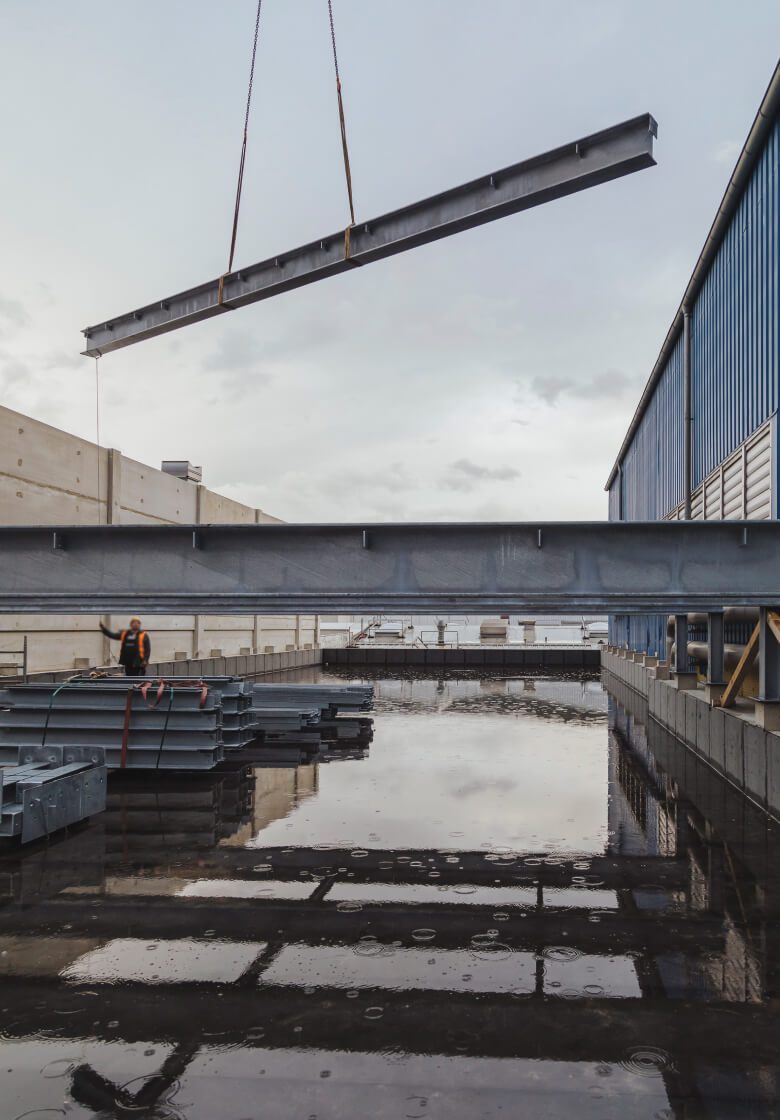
[[591, 567], [584, 163]]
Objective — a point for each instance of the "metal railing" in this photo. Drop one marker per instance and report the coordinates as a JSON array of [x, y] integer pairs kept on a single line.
[[448, 642]]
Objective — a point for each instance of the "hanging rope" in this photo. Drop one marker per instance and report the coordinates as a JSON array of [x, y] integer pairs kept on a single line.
[[97, 434], [343, 124], [242, 161]]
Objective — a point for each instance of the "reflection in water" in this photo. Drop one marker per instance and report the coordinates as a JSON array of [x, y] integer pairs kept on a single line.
[[523, 900]]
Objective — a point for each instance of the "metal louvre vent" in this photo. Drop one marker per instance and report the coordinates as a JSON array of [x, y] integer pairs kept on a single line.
[[732, 489], [758, 473], [740, 488]]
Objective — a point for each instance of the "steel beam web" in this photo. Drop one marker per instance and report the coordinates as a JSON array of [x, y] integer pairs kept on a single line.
[[553, 567]]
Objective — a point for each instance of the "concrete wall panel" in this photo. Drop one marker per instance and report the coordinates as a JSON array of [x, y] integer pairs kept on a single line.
[[217, 509], [152, 494], [37, 454], [48, 477]]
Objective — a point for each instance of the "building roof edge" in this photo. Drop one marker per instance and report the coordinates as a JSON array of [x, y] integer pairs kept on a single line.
[[768, 111]]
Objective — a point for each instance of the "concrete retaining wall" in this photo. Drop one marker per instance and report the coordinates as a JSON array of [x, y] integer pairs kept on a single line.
[[246, 665], [49, 477], [728, 741]]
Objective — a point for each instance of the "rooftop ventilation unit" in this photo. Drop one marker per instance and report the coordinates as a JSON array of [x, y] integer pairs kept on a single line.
[[181, 468]]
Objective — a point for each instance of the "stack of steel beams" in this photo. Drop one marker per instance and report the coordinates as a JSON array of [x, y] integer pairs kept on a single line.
[[292, 719], [238, 726], [315, 707], [49, 789], [170, 728], [326, 697], [176, 724]]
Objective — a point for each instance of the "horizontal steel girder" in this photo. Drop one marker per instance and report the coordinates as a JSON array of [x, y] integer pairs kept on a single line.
[[554, 567], [595, 159], [500, 1025], [323, 923]]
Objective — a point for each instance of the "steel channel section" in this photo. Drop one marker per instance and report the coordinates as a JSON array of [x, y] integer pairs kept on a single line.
[[618, 567], [594, 159], [715, 664], [680, 643]]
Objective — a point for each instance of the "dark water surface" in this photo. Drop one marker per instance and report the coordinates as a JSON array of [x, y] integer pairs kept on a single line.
[[521, 899]]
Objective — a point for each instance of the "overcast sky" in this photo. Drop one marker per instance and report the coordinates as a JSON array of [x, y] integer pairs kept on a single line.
[[490, 375]]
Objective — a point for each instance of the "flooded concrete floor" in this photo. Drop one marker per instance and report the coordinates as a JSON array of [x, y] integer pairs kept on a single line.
[[519, 899]]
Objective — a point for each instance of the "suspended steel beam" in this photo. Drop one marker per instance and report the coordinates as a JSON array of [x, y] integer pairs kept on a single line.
[[541, 568], [594, 159]]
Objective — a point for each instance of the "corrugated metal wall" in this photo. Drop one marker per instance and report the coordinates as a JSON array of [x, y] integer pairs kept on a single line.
[[735, 323], [735, 390], [653, 466], [736, 358], [643, 632]]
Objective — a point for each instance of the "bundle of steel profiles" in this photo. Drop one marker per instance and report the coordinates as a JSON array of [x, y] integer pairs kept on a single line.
[[158, 725], [177, 724], [329, 698], [324, 701], [50, 788]]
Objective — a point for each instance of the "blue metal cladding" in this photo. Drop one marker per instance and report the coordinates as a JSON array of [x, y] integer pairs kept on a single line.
[[645, 633], [653, 465], [614, 500], [735, 378], [736, 359]]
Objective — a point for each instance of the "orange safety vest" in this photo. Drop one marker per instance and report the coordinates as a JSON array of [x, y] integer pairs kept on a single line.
[[141, 644]]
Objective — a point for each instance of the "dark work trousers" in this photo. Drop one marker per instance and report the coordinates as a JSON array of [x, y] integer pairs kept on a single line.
[[136, 669]]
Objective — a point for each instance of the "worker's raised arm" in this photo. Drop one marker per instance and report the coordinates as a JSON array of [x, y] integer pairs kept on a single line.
[[115, 634]]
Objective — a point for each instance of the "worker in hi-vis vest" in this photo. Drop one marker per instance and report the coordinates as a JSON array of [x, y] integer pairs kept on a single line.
[[134, 648]]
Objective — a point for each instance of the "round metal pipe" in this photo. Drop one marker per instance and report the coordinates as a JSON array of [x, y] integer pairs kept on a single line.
[[731, 653]]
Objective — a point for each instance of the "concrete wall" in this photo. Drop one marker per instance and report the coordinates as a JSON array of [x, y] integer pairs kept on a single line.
[[728, 740], [48, 477]]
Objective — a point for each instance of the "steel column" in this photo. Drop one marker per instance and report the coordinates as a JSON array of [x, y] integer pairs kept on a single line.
[[715, 647], [683, 678], [554, 567], [687, 414], [594, 159], [715, 680]]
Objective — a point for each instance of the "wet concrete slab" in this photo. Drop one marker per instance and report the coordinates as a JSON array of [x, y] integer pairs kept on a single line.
[[523, 898]]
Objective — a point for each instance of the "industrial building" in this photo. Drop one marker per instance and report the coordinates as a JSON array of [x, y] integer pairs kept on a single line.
[[702, 443]]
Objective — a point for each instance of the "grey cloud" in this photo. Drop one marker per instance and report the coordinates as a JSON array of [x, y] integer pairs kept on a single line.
[[236, 350], [610, 383], [13, 371], [393, 479], [476, 470], [727, 151], [60, 359], [243, 350], [549, 389], [465, 475], [13, 312], [237, 361]]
